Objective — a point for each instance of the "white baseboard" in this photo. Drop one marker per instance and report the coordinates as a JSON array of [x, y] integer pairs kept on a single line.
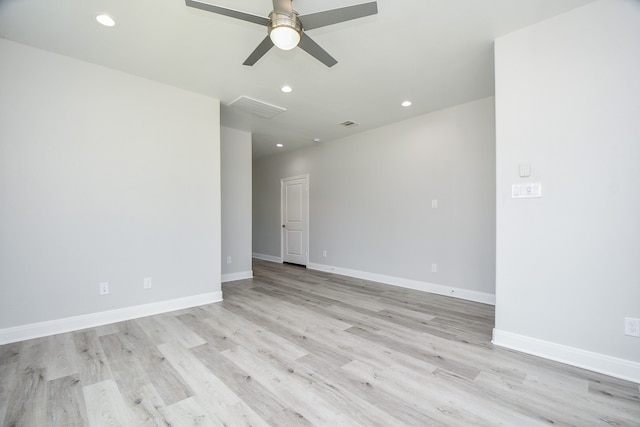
[[69, 324], [465, 294], [232, 277], [267, 257], [612, 366]]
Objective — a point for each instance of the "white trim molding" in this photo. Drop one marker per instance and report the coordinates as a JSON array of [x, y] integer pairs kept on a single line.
[[460, 293], [232, 277], [264, 257], [69, 324], [608, 365]]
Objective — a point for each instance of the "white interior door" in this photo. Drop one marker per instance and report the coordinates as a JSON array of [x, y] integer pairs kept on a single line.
[[295, 219]]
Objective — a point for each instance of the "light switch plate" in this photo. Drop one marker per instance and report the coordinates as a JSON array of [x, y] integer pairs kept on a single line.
[[526, 191]]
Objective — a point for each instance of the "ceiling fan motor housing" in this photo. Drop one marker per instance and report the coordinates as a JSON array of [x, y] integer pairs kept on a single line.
[[282, 19]]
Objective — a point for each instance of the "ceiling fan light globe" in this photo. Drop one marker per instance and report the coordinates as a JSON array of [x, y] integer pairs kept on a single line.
[[285, 38]]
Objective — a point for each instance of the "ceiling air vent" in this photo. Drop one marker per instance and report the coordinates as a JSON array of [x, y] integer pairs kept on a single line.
[[348, 123], [258, 108]]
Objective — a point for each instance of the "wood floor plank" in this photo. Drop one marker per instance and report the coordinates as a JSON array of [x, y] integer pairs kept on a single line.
[[198, 323], [27, 403], [61, 357], [409, 318], [444, 406], [9, 353], [288, 312], [131, 380], [265, 403], [293, 347], [623, 393], [65, 402], [34, 353], [93, 366], [220, 402], [348, 346], [326, 381], [419, 352], [165, 327], [295, 332], [311, 406], [188, 413], [109, 329], [159, 373], [144, 377], [7, 376], [105, 406], [405, 411], [548, 405], [294, 294], [125, 366], [148, 408], [250, 335]]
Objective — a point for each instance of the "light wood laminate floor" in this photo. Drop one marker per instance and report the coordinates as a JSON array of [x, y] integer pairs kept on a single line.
[[293, 347]]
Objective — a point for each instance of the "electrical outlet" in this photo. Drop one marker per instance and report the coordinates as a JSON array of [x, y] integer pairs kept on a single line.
[[104, 288], [632, 327], [147, 283], [434, 268], [434, 203], [228, 260], [324, 254]]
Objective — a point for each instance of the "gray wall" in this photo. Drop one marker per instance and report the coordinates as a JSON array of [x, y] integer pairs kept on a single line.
[[568, 101], [103, 177], [235, 168], [370, 199]]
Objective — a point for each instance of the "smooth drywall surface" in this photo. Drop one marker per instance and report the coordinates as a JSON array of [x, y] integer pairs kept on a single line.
[[104, 177], [266, 206], [235, 149], [568, 102], [371, 199]]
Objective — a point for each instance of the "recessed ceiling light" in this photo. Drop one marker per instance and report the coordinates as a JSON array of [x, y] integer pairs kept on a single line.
[[286, 89], [279, 145], [406, 104], [316, 139], [106, 20]]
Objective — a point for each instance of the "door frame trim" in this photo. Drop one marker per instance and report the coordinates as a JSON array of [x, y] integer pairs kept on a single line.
[[306, 215]]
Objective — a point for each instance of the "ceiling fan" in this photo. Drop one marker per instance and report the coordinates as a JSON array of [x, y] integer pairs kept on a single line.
[[286, 29]]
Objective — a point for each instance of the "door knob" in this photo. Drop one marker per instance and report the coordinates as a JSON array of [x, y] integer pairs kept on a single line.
[[282, 225]]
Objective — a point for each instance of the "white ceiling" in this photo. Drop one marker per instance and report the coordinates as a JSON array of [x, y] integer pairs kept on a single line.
[[436, 53]]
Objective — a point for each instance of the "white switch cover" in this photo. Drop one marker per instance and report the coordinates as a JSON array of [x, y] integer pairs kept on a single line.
[[434, 203], [147, 283], [524, 170], [526, 191]]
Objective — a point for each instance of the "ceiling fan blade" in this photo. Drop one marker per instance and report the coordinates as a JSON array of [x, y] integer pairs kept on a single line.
[[314, 49], [228, 12], [335, 16], [259, 52]]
